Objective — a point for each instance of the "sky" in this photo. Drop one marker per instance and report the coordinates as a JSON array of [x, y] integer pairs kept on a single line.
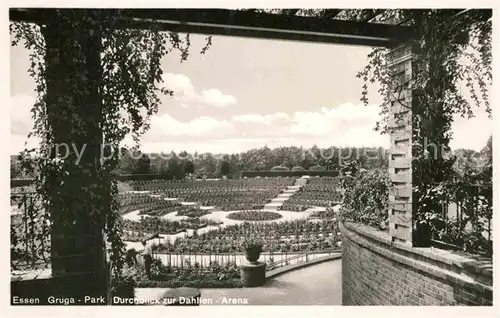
[[245, 93]]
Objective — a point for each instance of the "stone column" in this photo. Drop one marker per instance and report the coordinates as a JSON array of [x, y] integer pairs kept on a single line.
[[400, 168]]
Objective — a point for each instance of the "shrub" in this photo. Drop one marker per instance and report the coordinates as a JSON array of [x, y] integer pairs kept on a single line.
[[279, 168], [317, 168], [366, 197]]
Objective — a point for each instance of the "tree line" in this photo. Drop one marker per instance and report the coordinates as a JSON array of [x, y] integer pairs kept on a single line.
[[210, 165]]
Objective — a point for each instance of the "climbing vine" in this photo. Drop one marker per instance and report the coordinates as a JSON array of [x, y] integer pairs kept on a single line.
[[454, 51], [124, 88]]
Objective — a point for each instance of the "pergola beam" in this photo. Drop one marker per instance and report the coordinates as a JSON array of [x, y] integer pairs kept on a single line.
[[331, 13], [370, 14], [248, 24]]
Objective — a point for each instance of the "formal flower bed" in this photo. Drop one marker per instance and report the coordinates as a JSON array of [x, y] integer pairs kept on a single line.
[[195, 275], [226, 195], [191, 212], [289, 236], [134, 231], [148, 204], [254, 216], [328, 214]]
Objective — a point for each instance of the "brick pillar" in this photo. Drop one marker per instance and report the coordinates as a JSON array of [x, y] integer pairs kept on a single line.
[[400, 123], [74, 114]]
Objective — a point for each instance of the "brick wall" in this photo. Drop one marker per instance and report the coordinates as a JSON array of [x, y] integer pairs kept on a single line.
[[377, 271]]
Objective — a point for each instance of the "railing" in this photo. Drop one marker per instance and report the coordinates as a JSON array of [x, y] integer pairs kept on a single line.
[[301, 258], [273, 260], [467, 211], [29, 233]]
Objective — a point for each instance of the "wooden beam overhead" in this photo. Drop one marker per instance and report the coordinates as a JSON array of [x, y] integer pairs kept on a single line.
[[368, 15], [331, 13], [247, 24]]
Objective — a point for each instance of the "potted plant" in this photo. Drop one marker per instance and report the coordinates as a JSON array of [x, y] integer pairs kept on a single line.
[[253, 248]]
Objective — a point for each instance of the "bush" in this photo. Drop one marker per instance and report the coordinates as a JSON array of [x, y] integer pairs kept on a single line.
[[279, 168], [366, 197], [317, 168], [298, 168]]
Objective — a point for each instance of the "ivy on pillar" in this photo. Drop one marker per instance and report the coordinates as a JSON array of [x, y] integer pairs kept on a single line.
[[400, 125], [76, 197]]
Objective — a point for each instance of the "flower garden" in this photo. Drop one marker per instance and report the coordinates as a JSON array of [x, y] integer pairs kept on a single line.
[[254, 216], [136, 231], [226, 195], [184, 257], [147, 204], [211, 259], [321, 192], [289, 236]]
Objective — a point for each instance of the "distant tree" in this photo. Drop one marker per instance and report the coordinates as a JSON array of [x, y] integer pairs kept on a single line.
[[143, 165], [188, 167], [487, 160], [224, 168], [175, 168]]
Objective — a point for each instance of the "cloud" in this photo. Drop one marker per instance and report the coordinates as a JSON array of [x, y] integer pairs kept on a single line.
[[216, 98], [264, 119], [344, 125], [185, 93], [165, 126], [226, 145], [335, 119]]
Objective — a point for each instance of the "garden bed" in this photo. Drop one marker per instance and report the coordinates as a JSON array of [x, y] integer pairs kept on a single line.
[[189, 275], [254, 216], [299, 235]]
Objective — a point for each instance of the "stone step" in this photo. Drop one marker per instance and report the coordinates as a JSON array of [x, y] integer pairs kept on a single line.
[[274, 204], [208, 208], [189, 203]]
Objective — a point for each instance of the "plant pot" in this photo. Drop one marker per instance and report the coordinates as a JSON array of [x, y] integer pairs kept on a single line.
[[252, 254]]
